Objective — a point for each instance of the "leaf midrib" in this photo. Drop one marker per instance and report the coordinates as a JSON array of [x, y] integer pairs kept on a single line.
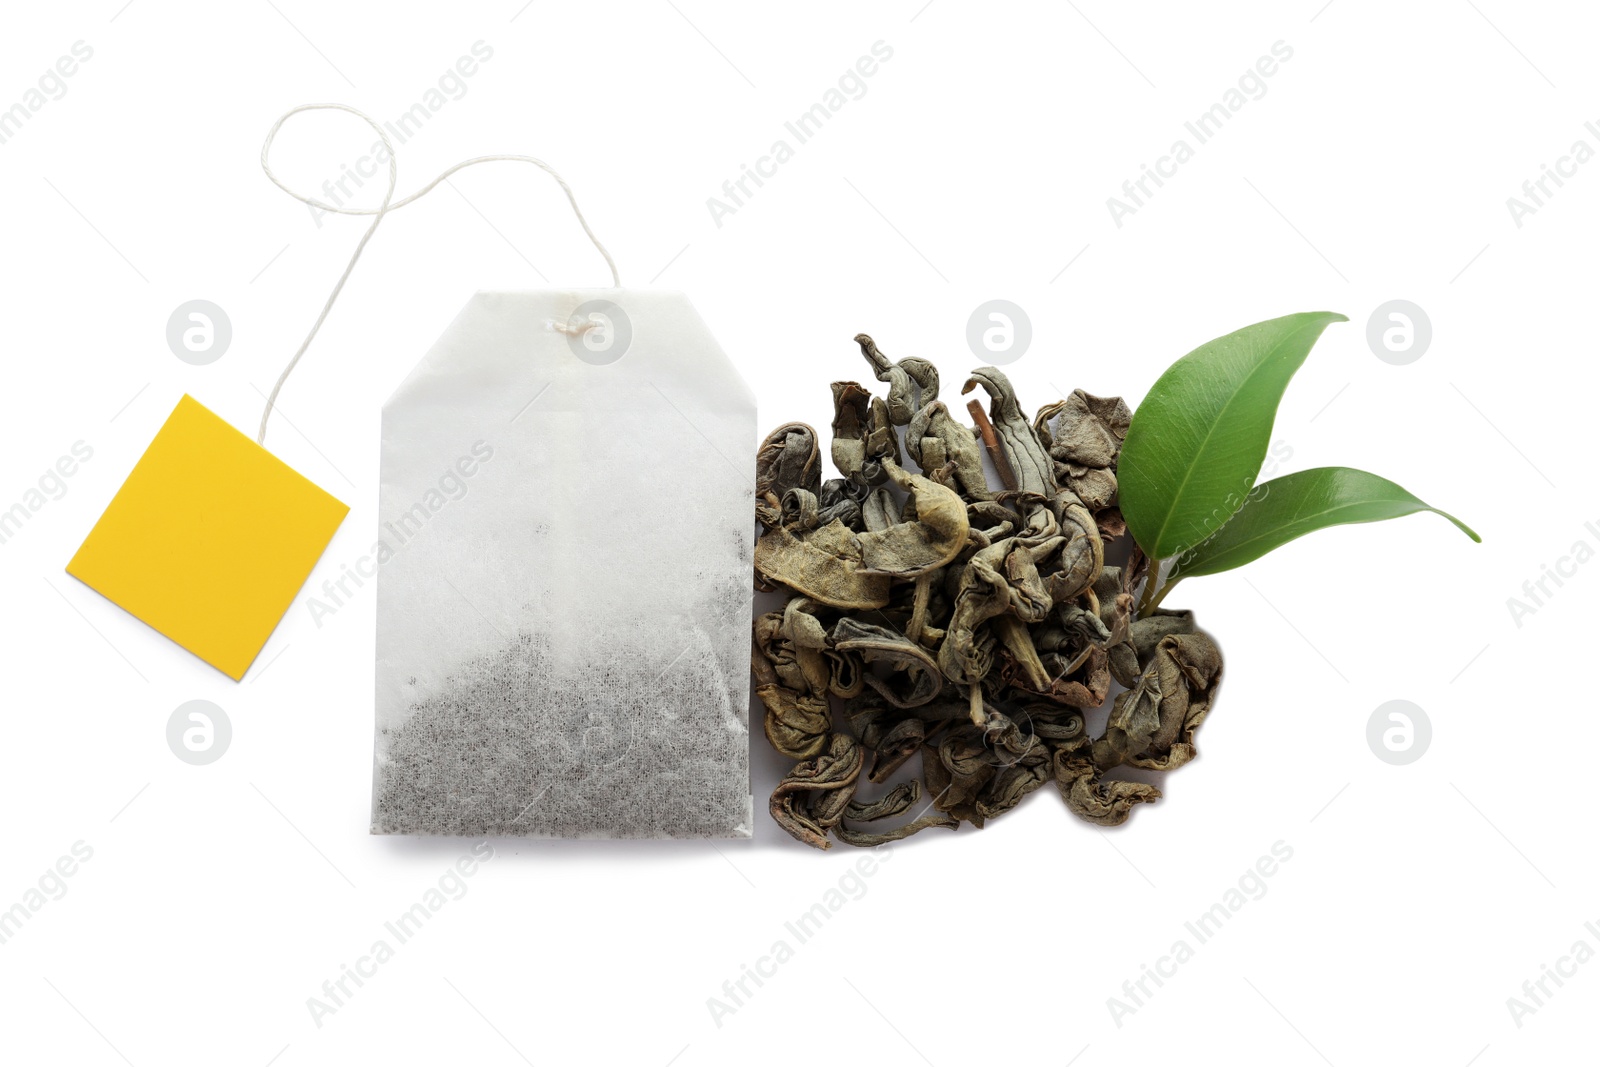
[[1301, 519], [1166, 521]]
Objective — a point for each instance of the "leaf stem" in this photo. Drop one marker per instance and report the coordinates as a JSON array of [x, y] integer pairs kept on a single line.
[[1151, 599], [991, 443], [1151, 579], [1156, 603]]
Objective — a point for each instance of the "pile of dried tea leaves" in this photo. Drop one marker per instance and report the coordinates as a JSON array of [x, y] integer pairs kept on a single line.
[[961, 622]]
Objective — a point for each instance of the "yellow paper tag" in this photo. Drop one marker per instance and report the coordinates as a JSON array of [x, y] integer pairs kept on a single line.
[[209, 539]]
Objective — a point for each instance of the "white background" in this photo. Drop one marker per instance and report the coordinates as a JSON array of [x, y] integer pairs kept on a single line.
[[977, 165]]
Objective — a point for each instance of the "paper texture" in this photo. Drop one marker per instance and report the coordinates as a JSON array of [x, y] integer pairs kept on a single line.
[[564, 585]]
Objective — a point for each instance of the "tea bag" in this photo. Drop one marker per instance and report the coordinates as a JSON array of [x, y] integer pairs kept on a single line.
[[563, 561], [564, 593]]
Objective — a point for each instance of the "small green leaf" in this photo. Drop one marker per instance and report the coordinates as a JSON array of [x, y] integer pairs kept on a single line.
[[1197, 442], [1296, 504]]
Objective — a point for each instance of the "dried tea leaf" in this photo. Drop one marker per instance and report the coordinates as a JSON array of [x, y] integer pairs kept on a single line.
[[1096, 487], [824, 564], [877, 644], [879, 511], [1013, 781], [1111, 523], [1023, 667], [811, 800], [1034, 471], [896, 746], [932, 536], [1089, 430], [840, 501], [801, 624], [999, 578], [1081, 554], [1153, 725], [935, 440], [863, 434], [1054, 724], [904, 377], [796, 724], [865, 840], [1083, 681], [797, 719], [1022, 764], [1129, 658], [778, 652], [957, 770], [1104, 803], [1001, 522], [895, 802], [787, 459]]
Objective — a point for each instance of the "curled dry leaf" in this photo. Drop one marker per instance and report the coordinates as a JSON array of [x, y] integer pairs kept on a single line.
[[906, 549], [1087, 438], [877, 644], [904, 378], [787, 459], [824, 563], [894, 802], [797, 715], [1153, 724], [1024, 451], [812, 798], [863, 435], [937, 443], [1089, 797], [865, 840]]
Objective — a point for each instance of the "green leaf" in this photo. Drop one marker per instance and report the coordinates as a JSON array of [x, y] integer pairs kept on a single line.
[[1197, 442], [1296, 504]]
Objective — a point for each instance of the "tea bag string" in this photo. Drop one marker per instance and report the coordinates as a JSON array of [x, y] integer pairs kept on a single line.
[[389, 204]]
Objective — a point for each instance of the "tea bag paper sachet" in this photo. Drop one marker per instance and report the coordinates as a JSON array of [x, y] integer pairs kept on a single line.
[[564, 600]]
